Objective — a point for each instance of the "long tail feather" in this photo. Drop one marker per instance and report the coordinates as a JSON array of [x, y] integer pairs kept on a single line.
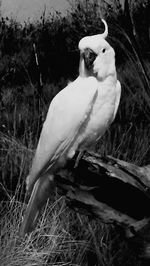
[[41, 192]]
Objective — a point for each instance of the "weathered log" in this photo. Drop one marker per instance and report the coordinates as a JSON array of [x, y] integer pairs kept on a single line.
[[111, 189]]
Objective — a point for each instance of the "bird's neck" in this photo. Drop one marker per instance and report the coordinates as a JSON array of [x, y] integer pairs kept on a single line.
[[111, 79]]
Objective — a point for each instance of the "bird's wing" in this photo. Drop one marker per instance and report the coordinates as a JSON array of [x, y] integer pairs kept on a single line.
[[66, 114]]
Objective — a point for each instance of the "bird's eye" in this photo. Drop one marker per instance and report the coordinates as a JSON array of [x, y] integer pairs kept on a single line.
[[103, 50]]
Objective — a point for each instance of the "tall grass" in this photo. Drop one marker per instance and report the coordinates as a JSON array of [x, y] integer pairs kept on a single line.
[[62, 237]]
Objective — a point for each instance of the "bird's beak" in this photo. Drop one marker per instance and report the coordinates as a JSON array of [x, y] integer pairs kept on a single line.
[[89, 57]]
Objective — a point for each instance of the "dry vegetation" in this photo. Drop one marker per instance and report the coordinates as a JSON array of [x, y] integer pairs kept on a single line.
[[63, 237]]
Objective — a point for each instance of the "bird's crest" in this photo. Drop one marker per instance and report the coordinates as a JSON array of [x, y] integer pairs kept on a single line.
[[94, 39]]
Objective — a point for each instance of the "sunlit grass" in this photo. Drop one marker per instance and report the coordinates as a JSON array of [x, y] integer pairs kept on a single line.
[[61, 237]]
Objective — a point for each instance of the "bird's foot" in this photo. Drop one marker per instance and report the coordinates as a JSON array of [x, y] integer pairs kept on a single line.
[[79, 157]]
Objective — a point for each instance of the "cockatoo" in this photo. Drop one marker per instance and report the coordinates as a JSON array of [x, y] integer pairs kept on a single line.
[[77, 117]]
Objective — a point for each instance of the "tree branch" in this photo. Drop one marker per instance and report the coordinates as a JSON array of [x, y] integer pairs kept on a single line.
[[108, 188]]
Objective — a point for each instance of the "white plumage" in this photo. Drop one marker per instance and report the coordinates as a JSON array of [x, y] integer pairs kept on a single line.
[[77, 117]]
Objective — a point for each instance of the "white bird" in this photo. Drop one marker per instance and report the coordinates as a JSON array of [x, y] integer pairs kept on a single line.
[[77, 117]]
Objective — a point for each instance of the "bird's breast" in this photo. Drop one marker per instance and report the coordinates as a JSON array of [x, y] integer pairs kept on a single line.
[[101, 116]]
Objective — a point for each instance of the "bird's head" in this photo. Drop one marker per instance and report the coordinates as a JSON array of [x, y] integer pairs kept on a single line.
[[97, 57]]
